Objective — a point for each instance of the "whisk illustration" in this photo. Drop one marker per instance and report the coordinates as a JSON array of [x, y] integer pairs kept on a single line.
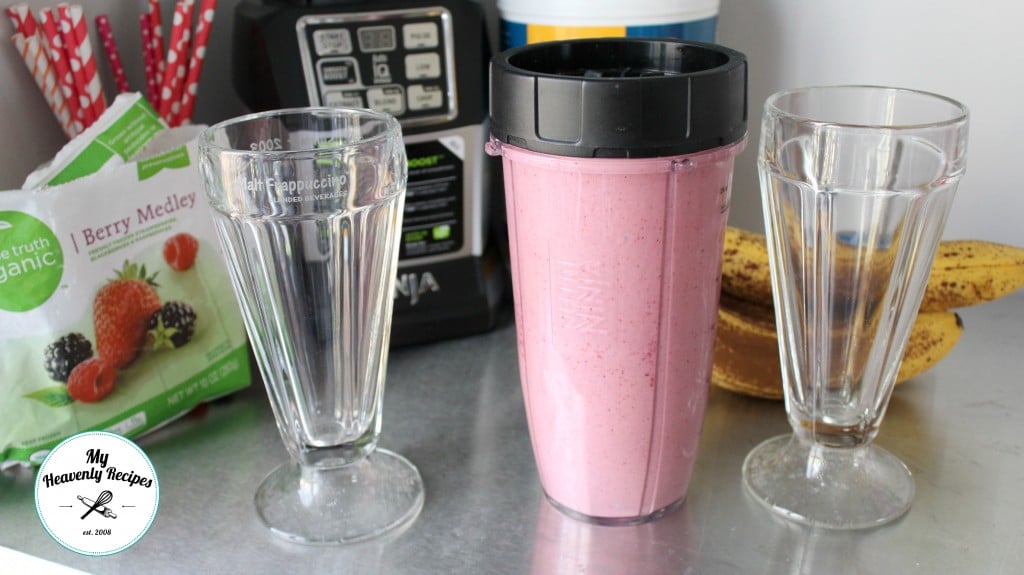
[[99, 505]]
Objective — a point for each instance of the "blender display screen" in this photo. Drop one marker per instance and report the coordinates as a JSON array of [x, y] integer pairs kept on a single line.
[[377, 39]]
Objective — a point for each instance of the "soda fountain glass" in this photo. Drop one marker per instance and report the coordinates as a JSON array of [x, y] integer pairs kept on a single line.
[[856, 183], [308, 207]]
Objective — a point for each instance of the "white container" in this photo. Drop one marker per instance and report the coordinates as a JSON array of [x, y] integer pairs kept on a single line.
[[531, 21]]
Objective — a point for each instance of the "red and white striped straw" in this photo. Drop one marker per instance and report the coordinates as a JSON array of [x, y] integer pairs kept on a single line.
[[62, 67], [36, 49], [12, 13], [28, 40], [156, 31], [25, 23], [68, 42], [23, 20], [195, 65], [152, 87], [113, 56], [83, 45], [177, 50], [34, 55]]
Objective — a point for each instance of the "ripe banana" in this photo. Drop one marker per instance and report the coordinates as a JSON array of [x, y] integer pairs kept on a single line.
[[964, 272], [745, 272], [747, 347], [969, 272]]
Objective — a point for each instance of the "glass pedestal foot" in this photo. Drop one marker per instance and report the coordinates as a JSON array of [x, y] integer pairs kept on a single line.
[[357, 502], [836, 488]]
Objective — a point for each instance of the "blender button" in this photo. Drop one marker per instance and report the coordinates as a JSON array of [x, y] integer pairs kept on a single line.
[[425, 97], [390, 99], [422, 66], [338, 71], [420, 35], [341, 99], [332, 41]]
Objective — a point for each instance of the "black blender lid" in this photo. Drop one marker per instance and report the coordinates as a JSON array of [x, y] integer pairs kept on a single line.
[[619, 97]]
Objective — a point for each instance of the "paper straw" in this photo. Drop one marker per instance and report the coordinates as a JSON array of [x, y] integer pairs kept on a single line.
[[156, 31], [23, 20], [152, 88], [195, 64], [174, 73], [13, 15], [83, 45], [62, 67], [68, 42], [25, 23], [39, 66], [113, 56], [35, 60]]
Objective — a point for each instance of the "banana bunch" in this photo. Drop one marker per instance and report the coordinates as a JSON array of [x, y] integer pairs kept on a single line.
[[964, 273]]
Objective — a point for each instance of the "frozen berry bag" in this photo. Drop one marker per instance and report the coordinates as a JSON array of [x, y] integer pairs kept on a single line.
[[116, 311]]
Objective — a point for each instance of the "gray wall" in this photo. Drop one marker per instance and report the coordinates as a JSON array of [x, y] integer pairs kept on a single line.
[[971, 51]]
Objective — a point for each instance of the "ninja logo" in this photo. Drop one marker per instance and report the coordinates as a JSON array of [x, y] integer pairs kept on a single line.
[[412, 286]]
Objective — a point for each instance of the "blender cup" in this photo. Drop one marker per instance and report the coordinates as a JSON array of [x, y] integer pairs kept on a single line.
[[618, 157]]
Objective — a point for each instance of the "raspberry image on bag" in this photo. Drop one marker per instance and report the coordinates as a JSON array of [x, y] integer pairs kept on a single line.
[[121, 312], [180, 251], [91, 380]]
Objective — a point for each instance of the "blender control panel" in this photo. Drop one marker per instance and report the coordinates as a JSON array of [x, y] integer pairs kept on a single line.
[[400, 62]]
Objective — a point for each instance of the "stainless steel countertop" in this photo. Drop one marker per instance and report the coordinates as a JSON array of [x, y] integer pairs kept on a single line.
[[456, 410]]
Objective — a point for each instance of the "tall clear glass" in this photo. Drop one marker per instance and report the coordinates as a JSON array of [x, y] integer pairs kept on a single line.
[[857, 182], [308, 206]]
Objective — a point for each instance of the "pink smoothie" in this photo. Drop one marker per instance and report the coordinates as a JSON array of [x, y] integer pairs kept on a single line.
[[616, 270]]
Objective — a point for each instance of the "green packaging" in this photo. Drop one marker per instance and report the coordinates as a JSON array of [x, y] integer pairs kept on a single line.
[[63, 246]]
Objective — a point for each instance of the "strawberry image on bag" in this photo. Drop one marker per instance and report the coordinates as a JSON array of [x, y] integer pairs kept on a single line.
[[116, 310]]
